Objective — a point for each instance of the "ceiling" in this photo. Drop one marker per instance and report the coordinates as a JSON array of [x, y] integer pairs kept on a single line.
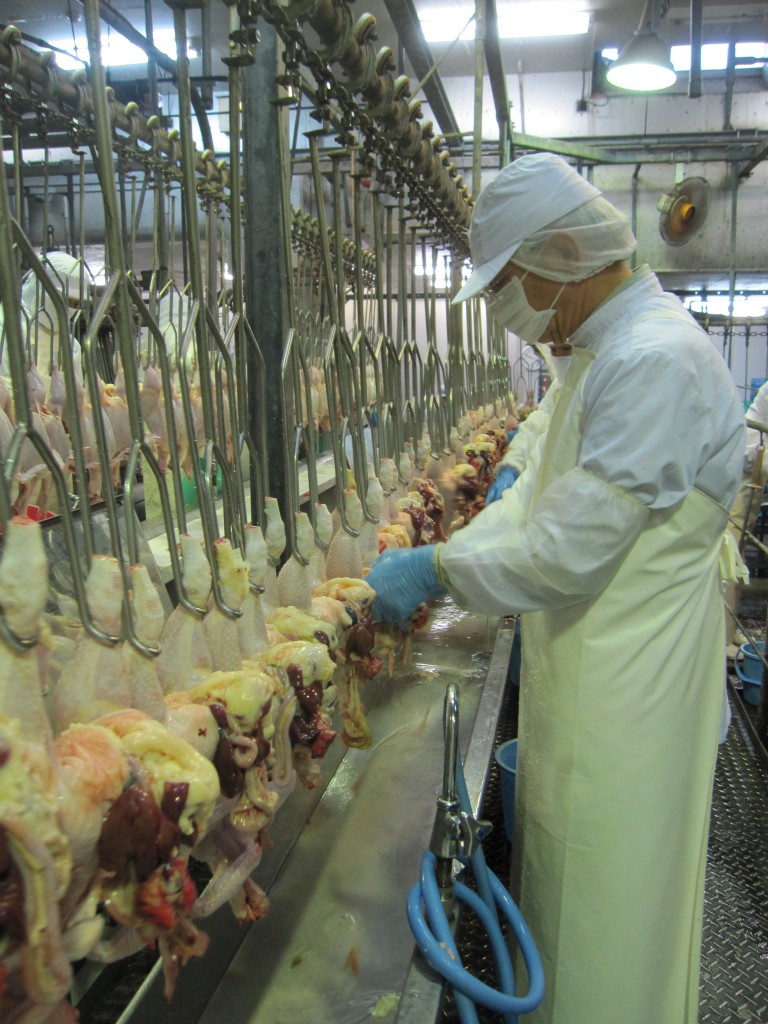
[[612, 22]]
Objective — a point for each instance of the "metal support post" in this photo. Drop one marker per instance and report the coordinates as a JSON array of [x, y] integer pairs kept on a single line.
[[477, 146], [265, 285]]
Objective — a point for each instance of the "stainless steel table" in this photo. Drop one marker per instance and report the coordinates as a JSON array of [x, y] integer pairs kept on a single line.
[[336, 938]]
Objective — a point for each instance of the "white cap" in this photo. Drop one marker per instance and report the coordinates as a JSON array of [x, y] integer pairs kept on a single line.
[[524, 197], [64, 271]]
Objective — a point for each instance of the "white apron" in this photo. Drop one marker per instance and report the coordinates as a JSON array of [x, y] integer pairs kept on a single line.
[[619, 715]]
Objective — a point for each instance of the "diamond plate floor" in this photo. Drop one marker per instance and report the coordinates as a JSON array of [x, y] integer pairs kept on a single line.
[[734, 981]]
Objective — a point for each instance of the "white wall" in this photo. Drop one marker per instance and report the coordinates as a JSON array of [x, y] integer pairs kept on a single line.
[[550, 112]]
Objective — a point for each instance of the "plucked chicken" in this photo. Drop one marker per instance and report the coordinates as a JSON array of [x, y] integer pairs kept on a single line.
[[185, 658], [251, 627], [295, 581], [94, 681], [221, 631], [344, 556]]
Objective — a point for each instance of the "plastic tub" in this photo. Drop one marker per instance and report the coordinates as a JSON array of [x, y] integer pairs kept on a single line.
[[506, 759], [749, 669]]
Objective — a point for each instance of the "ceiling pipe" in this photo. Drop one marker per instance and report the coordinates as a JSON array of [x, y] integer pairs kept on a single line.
[[121, 24], [694, 75], [495, 64]]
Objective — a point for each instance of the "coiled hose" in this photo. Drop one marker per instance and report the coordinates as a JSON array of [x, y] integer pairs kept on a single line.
[[432, 932]]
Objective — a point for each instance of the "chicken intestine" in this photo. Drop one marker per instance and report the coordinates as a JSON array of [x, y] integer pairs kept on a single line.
[[93, 770]]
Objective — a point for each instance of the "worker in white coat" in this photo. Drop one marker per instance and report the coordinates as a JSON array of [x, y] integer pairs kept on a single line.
[[39, 325], [609, 542], [744, 513], [743, 507]]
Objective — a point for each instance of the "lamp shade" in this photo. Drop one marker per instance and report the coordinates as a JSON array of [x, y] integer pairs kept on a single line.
[[643, 65]]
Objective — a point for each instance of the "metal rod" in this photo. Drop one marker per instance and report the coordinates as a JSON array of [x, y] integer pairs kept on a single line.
[[402, 289], [378, 249], [325, 250], [390, 213], [732, 253], [339, 243], [189, 197], [477, 135], [358, 229], [284, 165], [149, 458]]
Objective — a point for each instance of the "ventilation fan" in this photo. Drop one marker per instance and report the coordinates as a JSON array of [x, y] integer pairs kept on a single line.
[[684, 210]]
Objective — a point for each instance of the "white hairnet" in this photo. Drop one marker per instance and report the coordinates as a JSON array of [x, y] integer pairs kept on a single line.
[[526, 195], [601, 234]]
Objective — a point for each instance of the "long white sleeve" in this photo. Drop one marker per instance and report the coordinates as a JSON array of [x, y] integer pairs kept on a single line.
[[577, 536], [658, 417]]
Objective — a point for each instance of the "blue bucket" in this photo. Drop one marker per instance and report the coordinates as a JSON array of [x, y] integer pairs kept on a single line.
[[506, 759], [749, 669]]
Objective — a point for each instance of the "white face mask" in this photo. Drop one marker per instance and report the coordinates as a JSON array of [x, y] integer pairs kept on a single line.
[[510, 309]]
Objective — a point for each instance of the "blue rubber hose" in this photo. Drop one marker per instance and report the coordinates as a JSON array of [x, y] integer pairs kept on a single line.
[[433, 935]]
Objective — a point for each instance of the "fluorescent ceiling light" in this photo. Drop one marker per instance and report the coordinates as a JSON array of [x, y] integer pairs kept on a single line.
[[515, 20], [714, 56], [643, 65], [116, 52], [719, 305]]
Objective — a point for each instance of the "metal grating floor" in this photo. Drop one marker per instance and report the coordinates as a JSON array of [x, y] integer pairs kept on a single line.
[[734, 981]]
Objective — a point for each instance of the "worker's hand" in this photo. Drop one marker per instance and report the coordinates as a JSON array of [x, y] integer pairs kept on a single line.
[[505, 478], [403, 578], [511, 434]]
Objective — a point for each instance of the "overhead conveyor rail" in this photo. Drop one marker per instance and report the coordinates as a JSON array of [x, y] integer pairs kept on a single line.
[[68, 95]]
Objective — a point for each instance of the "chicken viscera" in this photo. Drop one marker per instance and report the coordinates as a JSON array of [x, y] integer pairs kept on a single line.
[[149, 761]]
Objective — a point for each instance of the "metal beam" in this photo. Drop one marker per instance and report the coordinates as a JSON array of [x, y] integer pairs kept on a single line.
[[495, 65], [577, 150], [760, 155], [727, 147], [408, 28]]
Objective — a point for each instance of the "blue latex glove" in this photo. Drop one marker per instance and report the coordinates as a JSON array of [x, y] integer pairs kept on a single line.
[[403, 578], [505, 478], [511, 434]]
